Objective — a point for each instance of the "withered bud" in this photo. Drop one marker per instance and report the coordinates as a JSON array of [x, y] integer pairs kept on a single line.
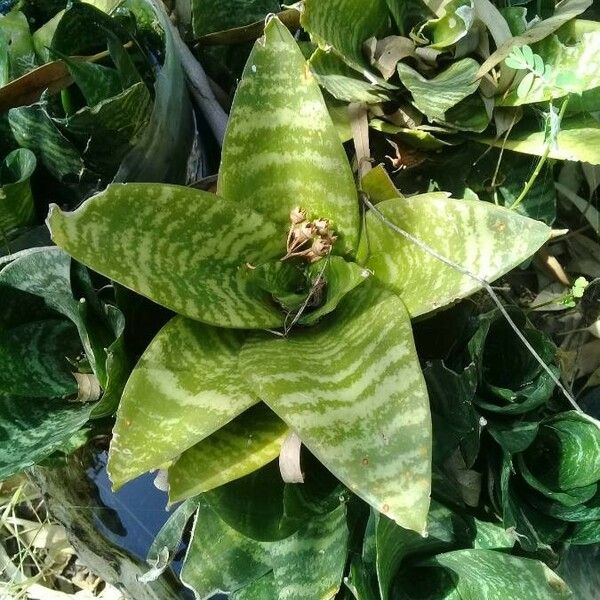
[[297, 215], [322, 226], [303, 232]]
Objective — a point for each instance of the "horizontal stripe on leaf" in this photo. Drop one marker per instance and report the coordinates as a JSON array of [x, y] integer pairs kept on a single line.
[[249, 442], [352, 389], [185, 387], [185, 249], [484, 239], [281, 149]]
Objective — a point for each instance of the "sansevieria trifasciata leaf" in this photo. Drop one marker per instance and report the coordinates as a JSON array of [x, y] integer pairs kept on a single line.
[[185, 387], [353, 390], [185, 249], [281, 149]]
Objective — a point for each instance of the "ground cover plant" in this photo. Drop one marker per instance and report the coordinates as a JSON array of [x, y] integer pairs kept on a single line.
[[339, 290]]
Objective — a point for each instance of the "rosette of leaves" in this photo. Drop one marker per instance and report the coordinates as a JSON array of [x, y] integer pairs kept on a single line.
[[291, 318], [547, 488], [61, 347], [108, 80], [511, 380]]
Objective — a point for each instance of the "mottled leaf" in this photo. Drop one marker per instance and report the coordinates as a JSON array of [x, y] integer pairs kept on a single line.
[[185, 387], [178, 246], [353, 391], [34, 359], [281, 149], [435, 96], [486, 240], [31, 429], [249, 442], [16, 199]]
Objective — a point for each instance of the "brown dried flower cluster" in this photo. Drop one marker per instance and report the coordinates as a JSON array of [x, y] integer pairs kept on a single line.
[[311, 240]]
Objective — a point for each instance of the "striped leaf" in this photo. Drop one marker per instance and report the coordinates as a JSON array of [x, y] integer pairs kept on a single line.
[[281, 149], [485, 239], [353, 390], [219, 559], [31, 429], [309, 564], [180, 247], [490, 575], [345, 25], [16, 199], [249, 442], [34, 359], [185, 387], [435, 96]]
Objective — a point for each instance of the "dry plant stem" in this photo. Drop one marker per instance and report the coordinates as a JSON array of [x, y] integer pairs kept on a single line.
[[541, 162], [483, 283]]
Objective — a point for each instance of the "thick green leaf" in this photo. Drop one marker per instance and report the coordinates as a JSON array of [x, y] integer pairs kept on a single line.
[[408, 13], [340, 278], [577, 140], [16, 42], [255, 505], [580, 568], [344, 82], [219, 559], [16, 199], [249, 442], [490, 575], [353, 390], [281, 149], [309, 564], [454, 21], [34, 359], [345, 25], [564, 460], [31, 429], [378, 185], [182, 248], [435, 96], [185, 387], [162, 150], [486, 240], [34, 129]]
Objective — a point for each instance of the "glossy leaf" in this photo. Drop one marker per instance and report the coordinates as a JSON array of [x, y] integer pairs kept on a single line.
[[34, 359], [454, 21], [435, 96], [486, 240], [180, 247], [281, 150], [185, 387], [249, 442], [353, 391], [16, 199]]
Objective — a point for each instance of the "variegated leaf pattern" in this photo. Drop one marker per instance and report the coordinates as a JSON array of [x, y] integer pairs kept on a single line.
[[281, 149], [491, 575], [220, 559], [34, 358], [185, 387], [486, 240], [345, 25], [309, 564], [32, 428], [249, 442], [16, 199], [353, 391], [185, 249]]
